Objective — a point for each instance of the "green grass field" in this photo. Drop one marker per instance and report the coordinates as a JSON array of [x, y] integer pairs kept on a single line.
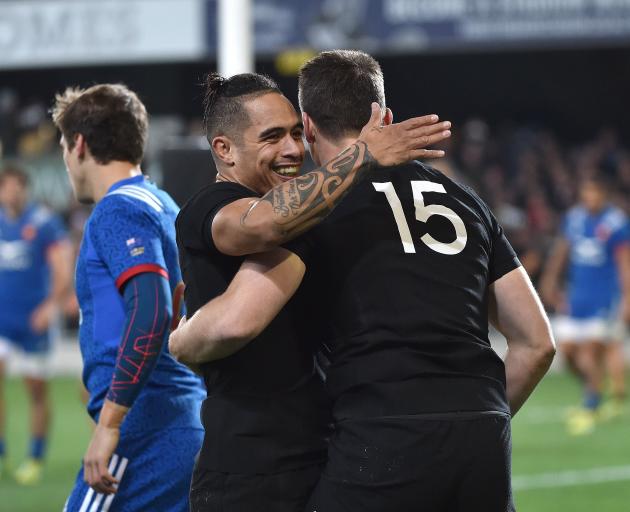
[[69, 437], [594, 469], [576, 472]]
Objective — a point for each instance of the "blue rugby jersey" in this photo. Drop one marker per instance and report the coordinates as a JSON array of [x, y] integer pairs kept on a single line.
[[24, 272], [131, 231], [593, 280]]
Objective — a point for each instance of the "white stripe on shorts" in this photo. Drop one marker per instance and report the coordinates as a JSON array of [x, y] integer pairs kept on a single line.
[[90, 494], [118, 476], [86, 500]]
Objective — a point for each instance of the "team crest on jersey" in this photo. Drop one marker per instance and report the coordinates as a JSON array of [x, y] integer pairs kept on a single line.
[[135, 246], [29, 232]]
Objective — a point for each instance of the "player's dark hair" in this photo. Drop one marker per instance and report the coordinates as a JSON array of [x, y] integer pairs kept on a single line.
[[12, 170], [336, 89], [111, 118], [224, 112], [599, 179]]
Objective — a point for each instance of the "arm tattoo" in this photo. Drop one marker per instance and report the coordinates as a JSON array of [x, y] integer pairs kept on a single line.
[[304, 201]]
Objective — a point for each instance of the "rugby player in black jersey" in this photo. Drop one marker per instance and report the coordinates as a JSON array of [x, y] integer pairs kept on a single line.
[[266, 416], [404, 274]]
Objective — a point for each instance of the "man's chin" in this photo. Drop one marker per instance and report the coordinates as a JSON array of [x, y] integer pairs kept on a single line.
[[84, 199]]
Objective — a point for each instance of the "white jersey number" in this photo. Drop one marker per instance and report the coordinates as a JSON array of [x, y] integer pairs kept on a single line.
[[423, 212]]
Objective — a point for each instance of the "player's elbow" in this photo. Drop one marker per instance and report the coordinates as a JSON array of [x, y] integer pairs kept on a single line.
[[542, 348], [533, 340], [546, 344], [547, 351]]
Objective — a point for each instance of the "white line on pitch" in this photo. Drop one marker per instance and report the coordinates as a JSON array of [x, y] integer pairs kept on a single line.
[[570, 478]]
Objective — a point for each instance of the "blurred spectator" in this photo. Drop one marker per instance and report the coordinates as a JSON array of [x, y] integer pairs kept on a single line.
[[35, 276]]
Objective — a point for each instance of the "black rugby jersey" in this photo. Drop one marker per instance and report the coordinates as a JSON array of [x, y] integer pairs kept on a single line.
[[266, 409], [404, 264]]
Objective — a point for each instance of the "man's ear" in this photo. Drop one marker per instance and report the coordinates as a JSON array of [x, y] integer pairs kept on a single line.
[[80, 146], [388, 118], [222, 148], [309, 128]]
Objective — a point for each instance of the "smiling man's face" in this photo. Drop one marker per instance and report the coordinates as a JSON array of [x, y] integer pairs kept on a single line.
[[270, 150]]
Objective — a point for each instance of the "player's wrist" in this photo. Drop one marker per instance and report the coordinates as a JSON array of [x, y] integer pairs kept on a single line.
[[47, 303], [112, 415]]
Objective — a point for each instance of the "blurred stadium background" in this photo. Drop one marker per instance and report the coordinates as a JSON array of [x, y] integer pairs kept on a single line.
[[538, 92]]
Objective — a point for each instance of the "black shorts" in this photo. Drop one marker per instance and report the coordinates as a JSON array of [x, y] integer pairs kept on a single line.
[[415, 464], [213, 491]]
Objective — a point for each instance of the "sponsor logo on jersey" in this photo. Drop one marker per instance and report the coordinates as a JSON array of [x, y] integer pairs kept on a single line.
[[14, 255], [589, 252]]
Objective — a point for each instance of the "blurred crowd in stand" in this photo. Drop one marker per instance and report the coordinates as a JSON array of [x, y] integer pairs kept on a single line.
[[527, 174], [530, 177]]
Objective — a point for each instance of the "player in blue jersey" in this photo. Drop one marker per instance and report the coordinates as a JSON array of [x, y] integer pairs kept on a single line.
[[35, 274], [129, 288], [595, 244]]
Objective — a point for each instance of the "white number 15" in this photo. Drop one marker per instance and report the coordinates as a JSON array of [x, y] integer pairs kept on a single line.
[[423, 212]]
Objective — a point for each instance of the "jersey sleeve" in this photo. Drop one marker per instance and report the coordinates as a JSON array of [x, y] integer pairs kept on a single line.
[[147, 307], [503, 258], [128, 240], [194, 223], [621, 236]]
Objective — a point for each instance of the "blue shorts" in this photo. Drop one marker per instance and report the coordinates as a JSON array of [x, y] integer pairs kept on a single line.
[[154, 470], [587, 307], [26, 339]]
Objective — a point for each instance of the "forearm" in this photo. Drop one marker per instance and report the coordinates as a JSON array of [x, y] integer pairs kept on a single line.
[[525, 366], [60, 272], [58, 291], [112, 414], [553, 270], [517, 313], [623, 265], [202, 338], [147, 304], [260, 289], [297, 205], [549, 281]]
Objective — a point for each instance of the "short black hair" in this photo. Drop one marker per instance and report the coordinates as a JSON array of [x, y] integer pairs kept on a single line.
[[13, 170], [337, 88], [224, 97]]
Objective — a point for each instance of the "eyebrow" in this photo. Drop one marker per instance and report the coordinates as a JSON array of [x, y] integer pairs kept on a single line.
[[275, 129]]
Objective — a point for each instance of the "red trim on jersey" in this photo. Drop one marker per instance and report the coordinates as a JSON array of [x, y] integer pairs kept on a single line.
[[139, 269]]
